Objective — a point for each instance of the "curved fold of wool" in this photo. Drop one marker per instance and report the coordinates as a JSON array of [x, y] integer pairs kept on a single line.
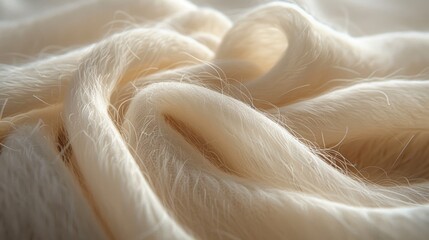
[[37, 84], [315, 54], [338, 117], [176, 168], [377, 107], [163, 139], [51, 76], [399, 157], [213, 75], [87, 104], [292, 166]]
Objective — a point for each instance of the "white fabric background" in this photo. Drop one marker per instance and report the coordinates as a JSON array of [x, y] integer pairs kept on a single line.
[[358, 17]]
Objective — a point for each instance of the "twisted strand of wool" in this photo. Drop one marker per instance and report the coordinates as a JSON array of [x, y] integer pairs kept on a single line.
[[182, 124]]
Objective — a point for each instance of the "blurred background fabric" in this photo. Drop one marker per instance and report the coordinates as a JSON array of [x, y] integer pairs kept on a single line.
[[354, 16]]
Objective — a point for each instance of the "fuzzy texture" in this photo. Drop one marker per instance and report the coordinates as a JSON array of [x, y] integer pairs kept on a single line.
[[165, 120]]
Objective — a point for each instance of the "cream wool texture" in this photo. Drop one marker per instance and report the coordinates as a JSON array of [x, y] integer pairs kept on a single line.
[[144, 119]]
